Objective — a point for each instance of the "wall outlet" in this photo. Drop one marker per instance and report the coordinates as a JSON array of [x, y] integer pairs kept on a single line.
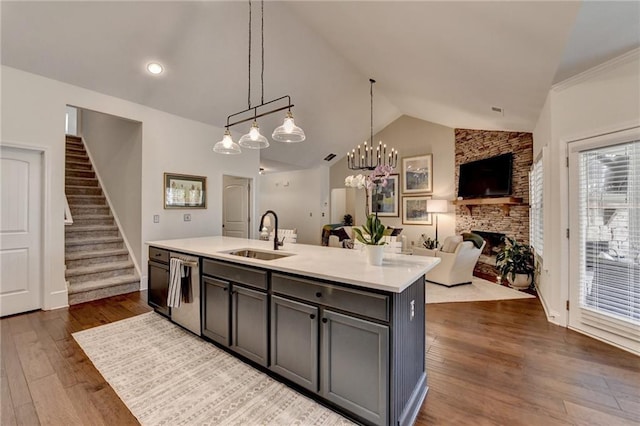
[[156, 218], [187, 217]]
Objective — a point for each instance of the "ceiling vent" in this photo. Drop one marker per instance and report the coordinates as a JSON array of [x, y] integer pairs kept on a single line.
[[329, 157], [497, 110]]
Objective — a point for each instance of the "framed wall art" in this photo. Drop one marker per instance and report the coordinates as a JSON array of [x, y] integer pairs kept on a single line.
[[384, 199], [414, 211], [417, 174], [185, 191]]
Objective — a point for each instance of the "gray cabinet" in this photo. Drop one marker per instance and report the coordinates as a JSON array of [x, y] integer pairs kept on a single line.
[[249, 323], [215, 310], [354, 365], [294, 341]]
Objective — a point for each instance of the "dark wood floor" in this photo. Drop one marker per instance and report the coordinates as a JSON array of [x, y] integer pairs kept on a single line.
[[489, 363]]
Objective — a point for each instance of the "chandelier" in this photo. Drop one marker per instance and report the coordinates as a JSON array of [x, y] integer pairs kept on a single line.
[[367, 157], [288, 132]]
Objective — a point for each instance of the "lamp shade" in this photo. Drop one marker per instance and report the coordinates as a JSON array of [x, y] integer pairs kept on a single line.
[[437, 206], [253, 139], [288, 132], [227, 145]]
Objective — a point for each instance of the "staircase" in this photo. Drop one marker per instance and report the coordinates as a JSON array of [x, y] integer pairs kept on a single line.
[[97, 260]]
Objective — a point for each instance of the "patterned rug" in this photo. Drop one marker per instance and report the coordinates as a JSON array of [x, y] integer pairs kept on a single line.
[[167, 376], [478, 290]]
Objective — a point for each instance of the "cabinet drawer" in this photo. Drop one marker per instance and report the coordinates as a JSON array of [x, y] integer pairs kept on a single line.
[[158, 255], [237, 274], [368, 304]]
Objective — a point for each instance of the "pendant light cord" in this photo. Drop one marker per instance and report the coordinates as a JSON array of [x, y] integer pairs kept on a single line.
[[371, 93], [249, 91]]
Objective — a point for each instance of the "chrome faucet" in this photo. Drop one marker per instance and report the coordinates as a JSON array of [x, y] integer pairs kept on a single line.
[[276, 243]]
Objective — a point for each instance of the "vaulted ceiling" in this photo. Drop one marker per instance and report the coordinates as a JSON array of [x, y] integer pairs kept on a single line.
[[445, 62]]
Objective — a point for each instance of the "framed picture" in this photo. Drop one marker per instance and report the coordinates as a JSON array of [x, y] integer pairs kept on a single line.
[[414, 211], [184, 191], [384, 199], [417, 174]]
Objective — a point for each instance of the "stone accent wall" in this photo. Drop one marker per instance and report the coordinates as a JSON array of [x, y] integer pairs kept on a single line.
[[474, 145]]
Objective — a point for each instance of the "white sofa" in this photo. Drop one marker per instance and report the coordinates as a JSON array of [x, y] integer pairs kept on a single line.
[[456, 267], [393, 244]]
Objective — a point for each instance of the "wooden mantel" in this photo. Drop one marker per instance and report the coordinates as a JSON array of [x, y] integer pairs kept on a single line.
[[504, 203]]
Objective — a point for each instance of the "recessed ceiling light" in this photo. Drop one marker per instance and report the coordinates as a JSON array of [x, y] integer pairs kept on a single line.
[[155, 68]]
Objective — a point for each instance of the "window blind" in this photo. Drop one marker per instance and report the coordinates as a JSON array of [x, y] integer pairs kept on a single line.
[[609, 215], [536, 218]]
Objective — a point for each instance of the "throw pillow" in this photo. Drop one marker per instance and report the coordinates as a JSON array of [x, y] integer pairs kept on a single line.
[[340, 233], [394, 232], [348, 243], [451, 243]]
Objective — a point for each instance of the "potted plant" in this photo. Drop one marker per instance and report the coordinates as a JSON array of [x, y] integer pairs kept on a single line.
[[371, 236], [516, 262]]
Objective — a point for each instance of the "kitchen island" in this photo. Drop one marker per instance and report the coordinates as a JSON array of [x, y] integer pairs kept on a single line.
[[320, 319]]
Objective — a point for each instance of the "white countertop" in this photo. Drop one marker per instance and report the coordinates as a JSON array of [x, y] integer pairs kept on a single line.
[[398, 271]]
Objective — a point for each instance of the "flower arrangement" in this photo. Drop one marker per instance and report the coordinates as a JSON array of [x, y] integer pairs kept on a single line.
[[371, 233], [377, 177]]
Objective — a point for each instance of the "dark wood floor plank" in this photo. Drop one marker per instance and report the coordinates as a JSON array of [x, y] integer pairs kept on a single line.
[[57, 361], [26, 415], [112, 408], [52, 403], [7, 413], [87, 411], [13, 369], [33, 358]]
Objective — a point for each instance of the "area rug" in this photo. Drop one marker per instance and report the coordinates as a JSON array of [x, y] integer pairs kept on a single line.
[[167, 376], [478, 290]]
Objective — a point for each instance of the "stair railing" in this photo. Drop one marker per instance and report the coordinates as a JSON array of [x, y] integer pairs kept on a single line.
[[68, 219]]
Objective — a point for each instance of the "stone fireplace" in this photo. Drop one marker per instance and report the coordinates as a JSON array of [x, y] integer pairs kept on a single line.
[[492, 219], [486, 266]]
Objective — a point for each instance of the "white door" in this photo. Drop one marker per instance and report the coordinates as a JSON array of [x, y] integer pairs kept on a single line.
[[20, 230], [235, 206], [604, 244]]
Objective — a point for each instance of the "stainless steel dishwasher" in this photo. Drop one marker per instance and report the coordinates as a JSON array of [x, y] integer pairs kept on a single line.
[[188, 314]]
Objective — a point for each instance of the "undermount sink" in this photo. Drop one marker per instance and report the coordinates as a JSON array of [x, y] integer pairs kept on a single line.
[[257, 254]]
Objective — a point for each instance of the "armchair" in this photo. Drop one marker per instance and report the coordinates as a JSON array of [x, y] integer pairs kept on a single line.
[[455, 268]]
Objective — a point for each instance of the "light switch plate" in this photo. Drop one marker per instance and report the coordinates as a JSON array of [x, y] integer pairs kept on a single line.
[[156, 218], [187, 217]]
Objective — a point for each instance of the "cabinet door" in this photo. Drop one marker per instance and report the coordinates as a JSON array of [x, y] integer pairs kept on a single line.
[[249, 324], [294, 341], [158, 287], [215, 308], [354, 365]]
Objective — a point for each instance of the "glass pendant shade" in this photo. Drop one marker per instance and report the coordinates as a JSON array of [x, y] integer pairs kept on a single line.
[[227, 145], [253, 139], [288, 132]]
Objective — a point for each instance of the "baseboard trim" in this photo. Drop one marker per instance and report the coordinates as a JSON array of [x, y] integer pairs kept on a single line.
[[412, 408], [56, 300]]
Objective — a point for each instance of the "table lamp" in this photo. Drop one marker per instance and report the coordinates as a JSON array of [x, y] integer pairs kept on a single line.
[[435, 207]]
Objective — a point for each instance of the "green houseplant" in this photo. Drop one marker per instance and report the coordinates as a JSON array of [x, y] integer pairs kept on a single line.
[[371, 235], [516, 262]]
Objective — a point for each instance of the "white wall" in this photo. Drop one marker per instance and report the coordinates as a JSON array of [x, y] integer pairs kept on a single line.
[[412, 136], [33, 113], [115, 146], [603, 99], [301, 200]]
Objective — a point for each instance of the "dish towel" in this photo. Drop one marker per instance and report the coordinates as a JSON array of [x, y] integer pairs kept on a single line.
[[176, 271]]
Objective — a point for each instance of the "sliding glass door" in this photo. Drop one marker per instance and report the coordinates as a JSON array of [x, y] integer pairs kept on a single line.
[[604, 185]]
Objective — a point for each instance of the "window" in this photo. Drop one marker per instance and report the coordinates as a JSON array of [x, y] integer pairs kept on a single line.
[[609, 211], [536, 218]]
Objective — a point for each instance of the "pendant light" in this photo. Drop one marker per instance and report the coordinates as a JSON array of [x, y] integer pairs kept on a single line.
[[288, 132], [227, 145], [253, 139], [367, 157]]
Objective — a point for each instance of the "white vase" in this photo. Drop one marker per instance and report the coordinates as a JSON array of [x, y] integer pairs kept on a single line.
[[521, 282], [375, 254]]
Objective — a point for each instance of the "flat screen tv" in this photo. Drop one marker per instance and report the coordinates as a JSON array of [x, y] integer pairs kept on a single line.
[[490, 177]]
